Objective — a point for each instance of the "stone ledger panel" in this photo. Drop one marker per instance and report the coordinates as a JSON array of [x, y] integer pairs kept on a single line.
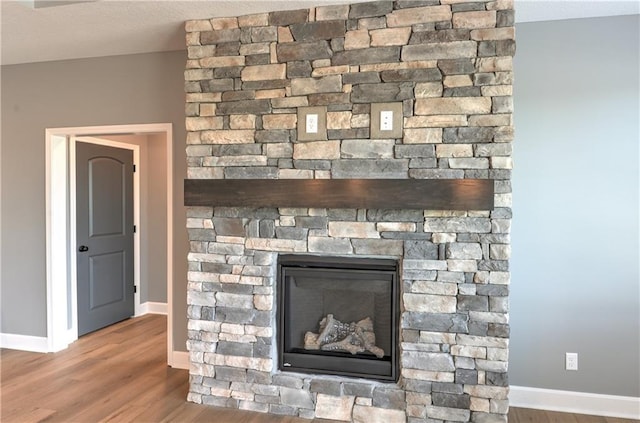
[[449, 63]]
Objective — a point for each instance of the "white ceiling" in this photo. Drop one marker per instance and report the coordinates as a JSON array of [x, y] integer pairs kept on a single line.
[[45, 30]]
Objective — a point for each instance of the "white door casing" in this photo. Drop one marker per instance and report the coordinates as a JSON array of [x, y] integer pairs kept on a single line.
[[60, 229]]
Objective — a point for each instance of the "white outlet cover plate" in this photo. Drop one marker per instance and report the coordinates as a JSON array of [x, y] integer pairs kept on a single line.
[[386, 120]]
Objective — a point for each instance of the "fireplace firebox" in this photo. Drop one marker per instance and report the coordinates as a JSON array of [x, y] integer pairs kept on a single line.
[[338, 316]]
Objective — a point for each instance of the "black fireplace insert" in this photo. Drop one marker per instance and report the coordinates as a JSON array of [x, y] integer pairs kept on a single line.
[[338, 315]]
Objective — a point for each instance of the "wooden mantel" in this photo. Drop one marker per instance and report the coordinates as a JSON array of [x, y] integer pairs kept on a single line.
[[417, 194]]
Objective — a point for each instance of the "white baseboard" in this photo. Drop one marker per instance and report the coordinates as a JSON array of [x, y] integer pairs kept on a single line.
[[153, 308], [37, 344], [575, 402], [179, 360]]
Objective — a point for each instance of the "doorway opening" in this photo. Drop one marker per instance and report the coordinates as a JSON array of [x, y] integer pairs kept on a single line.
[[60, 226]]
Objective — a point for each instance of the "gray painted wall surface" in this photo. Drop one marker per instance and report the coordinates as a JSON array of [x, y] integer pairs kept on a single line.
[[153, 214], [156, 230], [134, 89], [575, 227]]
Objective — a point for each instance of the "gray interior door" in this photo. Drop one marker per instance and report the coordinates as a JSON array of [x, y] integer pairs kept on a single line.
[[104, 227]]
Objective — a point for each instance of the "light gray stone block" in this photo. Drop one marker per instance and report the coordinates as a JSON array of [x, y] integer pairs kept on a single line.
[[296, 398]]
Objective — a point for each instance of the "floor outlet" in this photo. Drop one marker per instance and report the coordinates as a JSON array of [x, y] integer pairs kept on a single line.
[[571, 361]]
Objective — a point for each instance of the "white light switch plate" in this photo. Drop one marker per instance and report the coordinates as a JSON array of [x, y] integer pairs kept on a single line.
[[386, 120]]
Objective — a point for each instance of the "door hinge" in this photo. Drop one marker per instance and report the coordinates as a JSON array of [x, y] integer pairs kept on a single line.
[[135, 289], [135, 229], [134, 168]]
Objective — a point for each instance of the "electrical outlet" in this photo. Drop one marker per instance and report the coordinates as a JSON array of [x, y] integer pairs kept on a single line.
[[312, 123], [386, 120], [571, 361]]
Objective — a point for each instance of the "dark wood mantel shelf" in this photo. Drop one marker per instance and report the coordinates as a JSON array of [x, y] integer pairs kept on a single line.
[[420, 194]]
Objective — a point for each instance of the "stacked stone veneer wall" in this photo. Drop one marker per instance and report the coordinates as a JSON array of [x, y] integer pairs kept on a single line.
[[450, 63]]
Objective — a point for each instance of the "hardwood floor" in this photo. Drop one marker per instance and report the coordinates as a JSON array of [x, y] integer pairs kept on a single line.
[[119, 374]]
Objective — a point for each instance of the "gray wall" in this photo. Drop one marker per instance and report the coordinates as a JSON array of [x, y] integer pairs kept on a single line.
[[575, 226], [156, 230], [153, 213], [146, 88]]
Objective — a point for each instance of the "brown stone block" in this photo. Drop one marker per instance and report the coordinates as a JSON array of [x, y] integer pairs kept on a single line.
[[453, 106], [254, 48], [227, 72], [417, 75], [372, 23], [330, 70], [198, 52], [288, 17], [418, 64], [358, 39], [507, 33], [223, 36], [279, 121], [452, 50], [367, 55], [418, 15], [275, 93], [242, 121], [456, 66], [203, 123], [475, 19], [303, 51], [240, 136], [312, 31], [262, 34], [327, 99], [329, 13], [505, 18], [435, 121], [227, 49], [390, 36], [382, 93], [260, 19], [197, 26], [223, 61], [370, 9], [216, 85], [422, 136], [238, 95], [224, 23], [316, 150], [264, 72], [339, 120], [327, 84], [243, 107], [289, 102], [284, 35], [272, 84], [299, 69], [442, 36]]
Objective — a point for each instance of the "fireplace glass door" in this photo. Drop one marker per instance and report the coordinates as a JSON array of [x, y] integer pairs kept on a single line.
[[338, 316]]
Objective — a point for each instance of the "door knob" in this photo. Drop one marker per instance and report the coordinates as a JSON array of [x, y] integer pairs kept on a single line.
[[83, 248]]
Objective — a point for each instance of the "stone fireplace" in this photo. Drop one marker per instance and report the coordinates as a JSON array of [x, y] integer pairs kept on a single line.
[[449, 65]]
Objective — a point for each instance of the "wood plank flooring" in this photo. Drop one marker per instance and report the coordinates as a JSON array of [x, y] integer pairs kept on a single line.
[[119, 374]]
